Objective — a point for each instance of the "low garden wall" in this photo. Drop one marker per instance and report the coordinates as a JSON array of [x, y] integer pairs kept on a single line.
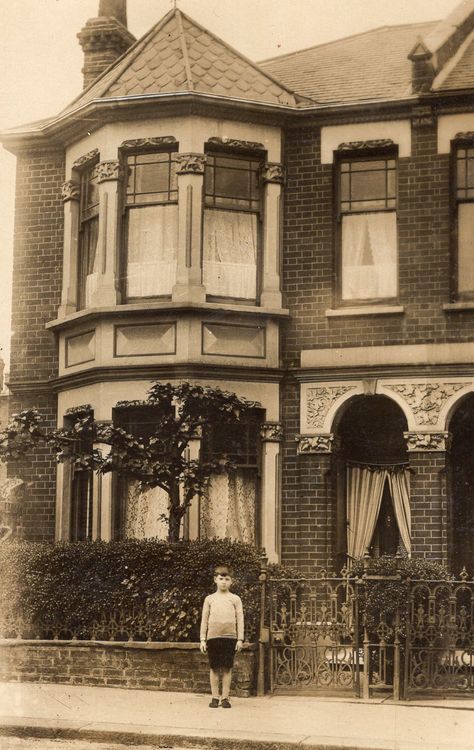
[[150, 666]]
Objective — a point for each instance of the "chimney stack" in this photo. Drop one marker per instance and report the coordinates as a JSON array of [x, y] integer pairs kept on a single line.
[[104, 39]]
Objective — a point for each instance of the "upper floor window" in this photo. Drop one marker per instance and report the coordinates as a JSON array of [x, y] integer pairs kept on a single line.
[[232, 207], [367, 223], [88, 270], [150, 224], [465, 220]]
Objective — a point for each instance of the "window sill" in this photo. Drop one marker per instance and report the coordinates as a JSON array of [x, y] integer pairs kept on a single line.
[[165, 306], [459, 306], [345, 312]]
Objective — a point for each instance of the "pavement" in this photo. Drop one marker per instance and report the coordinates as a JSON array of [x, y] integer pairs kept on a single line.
[[184, 720]]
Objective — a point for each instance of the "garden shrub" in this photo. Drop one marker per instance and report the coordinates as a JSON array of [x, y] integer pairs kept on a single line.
[[77, 584], [381, 597]]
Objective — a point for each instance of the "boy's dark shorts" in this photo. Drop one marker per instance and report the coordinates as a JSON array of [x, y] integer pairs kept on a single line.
[[221, 652]]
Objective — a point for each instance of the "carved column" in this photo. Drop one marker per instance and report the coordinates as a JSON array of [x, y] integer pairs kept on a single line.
[[70, 194], [189, 287], [273, 178], [102, 527], [271, 434], [107, 292], [428, 454], [63, 502], [191, 530]]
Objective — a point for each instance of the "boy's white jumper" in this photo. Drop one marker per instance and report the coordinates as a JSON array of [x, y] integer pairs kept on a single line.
[[222, 617]]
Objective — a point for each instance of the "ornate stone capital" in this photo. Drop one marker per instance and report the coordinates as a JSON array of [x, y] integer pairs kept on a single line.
[[319, 401], [428, 441], [83, 160], [191, 163], [141, 143], [273, 172], [366, 145], [271, 432], [70, 191], [423, 117], [107, 171], [426, 399], [315, 443], [236, 144]]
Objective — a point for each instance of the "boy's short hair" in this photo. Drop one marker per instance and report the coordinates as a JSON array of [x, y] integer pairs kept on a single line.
[[223, 570]]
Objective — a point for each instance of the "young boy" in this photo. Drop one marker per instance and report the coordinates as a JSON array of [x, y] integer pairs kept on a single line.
[[222, 633]]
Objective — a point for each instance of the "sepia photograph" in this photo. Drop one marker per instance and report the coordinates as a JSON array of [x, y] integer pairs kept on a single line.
[[237, 374]]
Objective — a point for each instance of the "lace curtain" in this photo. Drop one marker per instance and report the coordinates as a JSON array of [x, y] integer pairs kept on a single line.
[[364, 496], [230, 508], [369, 256], [152, 250], [90, 260], [230, 253], [142, 512], [465, 278]]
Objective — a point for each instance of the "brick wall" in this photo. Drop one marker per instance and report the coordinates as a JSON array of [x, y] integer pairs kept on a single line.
[[429, 511], [158, 666], [37, 274]]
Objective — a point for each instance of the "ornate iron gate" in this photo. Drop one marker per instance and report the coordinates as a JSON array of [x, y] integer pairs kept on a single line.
[[314, 634], [439, 653]]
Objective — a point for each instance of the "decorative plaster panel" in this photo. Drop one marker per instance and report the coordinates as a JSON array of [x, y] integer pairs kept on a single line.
[[191, 163], [70, 191], [273, 172], [86, 158], [236, 144], [233, 340], [108, 170], [398, 131], [140, 143], [143, 340], [319, 401], [80, 348], [426, 400]]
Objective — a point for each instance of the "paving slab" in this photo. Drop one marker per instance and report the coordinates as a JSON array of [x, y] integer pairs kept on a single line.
[[182, 720]]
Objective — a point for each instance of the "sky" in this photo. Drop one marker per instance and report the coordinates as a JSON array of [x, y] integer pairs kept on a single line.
[[40, 59]]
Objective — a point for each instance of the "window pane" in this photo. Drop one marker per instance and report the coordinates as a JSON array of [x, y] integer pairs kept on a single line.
[[151, 251], [88, 270], [369, 256], [367, 166], [232, 183], [470, 173], [230, 254], [466, 247], [152, 178], [345, 186], [367, 185]]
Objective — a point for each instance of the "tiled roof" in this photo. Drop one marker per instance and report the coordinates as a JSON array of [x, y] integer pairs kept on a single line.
[[461, 74], [372, 65], [180, 55]]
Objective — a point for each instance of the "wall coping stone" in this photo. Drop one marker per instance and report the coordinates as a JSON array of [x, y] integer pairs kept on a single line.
[[149, 646]]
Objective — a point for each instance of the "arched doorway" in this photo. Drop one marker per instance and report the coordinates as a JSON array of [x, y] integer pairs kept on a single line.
[[462, 487], [373, 510]]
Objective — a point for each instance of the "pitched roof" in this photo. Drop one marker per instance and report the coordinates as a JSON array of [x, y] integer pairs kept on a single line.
[[459, 72], [178, 55], [372, 65]]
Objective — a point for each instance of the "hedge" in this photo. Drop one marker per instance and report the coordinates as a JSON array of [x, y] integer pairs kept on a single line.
[[78, 583]]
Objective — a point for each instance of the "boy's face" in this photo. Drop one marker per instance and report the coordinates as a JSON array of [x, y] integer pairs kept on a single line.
[[223, 581]]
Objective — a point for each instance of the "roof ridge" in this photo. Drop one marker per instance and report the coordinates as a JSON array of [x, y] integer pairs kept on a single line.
[[343, 39], [184, 48], [252, 63], [135, 49]]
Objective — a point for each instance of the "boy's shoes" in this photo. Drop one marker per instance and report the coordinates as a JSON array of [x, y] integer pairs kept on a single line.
[[225, 703], [214, 703]]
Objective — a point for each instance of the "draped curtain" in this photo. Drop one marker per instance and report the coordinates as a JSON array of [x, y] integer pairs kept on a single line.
[[364, 496], [143, 511], [369, 256], [152, 250], [230, 253], [229, 510], [89, 272]]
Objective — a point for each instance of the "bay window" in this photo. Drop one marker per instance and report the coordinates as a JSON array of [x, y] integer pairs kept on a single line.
[[230, 507], [232, 206], [150, 224], [465, 220], [88, 270], [367, 225]]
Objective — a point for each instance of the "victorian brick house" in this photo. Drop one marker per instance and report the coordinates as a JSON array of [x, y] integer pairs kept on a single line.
[[299, 232]]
